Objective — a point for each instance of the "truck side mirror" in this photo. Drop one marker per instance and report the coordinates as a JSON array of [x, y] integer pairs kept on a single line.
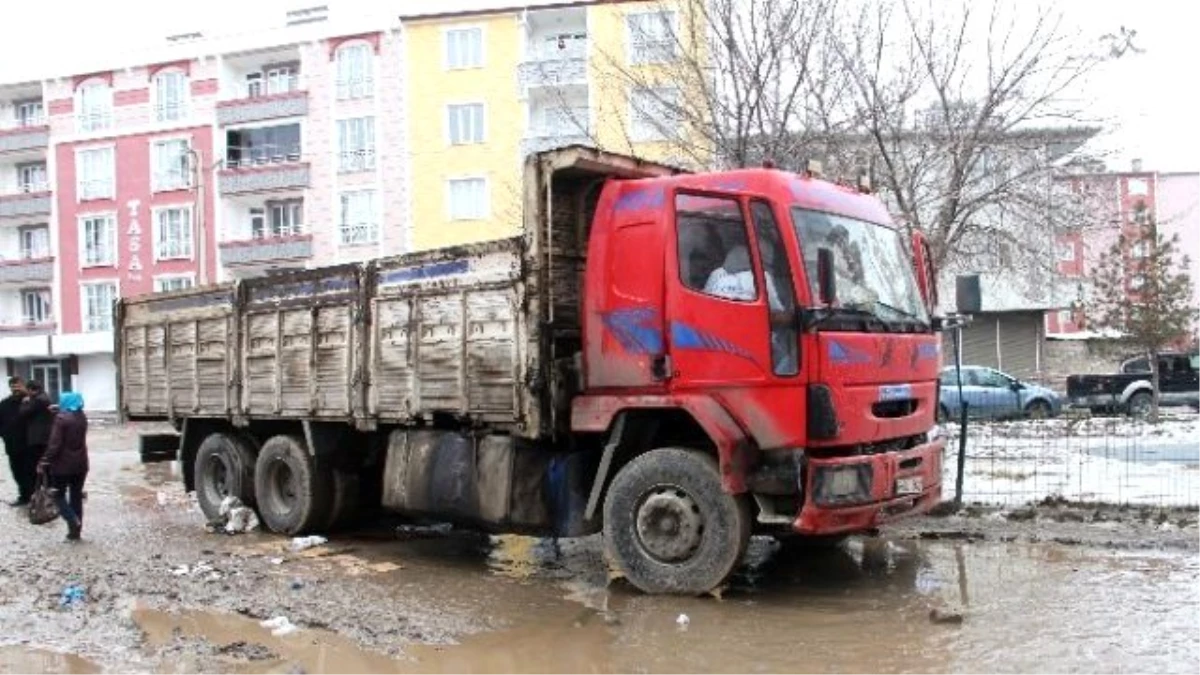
[[826, 281]]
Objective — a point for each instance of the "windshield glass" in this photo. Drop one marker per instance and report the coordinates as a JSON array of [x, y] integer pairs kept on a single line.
[[873, 270]]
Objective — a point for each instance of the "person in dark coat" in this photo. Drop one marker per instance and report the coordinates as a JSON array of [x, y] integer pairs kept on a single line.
[[38, 418], [66, 461], [12, 431]]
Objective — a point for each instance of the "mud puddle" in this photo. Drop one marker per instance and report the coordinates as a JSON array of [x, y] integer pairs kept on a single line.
[[32, 660]]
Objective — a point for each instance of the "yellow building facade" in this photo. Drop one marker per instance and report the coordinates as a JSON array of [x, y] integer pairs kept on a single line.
[[485, 89]]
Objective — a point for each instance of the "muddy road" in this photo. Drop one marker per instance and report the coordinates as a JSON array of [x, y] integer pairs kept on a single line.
[[1026, 592]]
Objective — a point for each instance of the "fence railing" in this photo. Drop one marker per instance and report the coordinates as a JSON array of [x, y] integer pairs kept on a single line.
[[262, 155], [1080, 458]]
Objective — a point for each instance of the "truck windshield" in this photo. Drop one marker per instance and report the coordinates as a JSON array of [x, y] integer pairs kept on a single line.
[[874, 273]]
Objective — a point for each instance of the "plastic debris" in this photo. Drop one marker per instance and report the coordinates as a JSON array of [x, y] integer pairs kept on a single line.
[[72, 595], [235, 517], [951, 617], [297, 584], [683, 621], [279, 626], [304, 543], [276, 561]]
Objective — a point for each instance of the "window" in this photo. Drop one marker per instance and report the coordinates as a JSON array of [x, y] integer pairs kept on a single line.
[[1138, 187], [359, 223], [653, 113], [98, 306], [30, 114], [35, 306], [991, 379], [651, 37], [1066, 251], [170, 96], [781, 299], [94, 173], [714, 251], [176, 283], [465, 123], [32, 177], [95, 104], [271, 80], [464, 48], [1140, 250], [173, 233], [1065, 317], [286, 219], [1141, 214], [468, 198], [356, 144], [1139, 365], [354, 78], [265, 145], [1137, 282], [172, 165], [35, 242], [99, 245]]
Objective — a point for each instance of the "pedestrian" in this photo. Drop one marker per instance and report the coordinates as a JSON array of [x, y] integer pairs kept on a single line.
[[65, 463], [12, 432], [38, 418]]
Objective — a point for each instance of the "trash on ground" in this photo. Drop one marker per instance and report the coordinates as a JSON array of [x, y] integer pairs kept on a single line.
[[72, 595], [200, 569], [297, 584], [945, 616], [276, 561], [279, 626], [234, 517], [683, 621], [303, 543]]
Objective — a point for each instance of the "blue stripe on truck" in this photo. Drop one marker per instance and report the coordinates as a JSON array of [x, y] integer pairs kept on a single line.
[[442, 269]]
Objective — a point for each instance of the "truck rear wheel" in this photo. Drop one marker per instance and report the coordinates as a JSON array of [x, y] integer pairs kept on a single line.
[[224, 468], [670, 526], [294, 495]]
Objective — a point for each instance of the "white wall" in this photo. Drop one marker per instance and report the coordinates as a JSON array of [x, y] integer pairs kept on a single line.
[[97, 382]]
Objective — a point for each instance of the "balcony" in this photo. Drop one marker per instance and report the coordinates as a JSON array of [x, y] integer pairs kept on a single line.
[[27, 270], [33, 200], [554, 67], [23, 328], [263, 169], [266, 250], [256, 108], [540, 142], [26, 135]]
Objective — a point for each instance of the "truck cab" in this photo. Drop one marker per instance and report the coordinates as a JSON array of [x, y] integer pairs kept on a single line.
[[784, 317]]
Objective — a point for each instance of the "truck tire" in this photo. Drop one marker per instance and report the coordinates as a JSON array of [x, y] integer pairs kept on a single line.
[[670, 527], [294, 495], [346, 492], [224, 468], [1139, 404]]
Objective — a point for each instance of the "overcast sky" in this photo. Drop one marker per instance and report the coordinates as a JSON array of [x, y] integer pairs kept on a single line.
[[1151, 98]]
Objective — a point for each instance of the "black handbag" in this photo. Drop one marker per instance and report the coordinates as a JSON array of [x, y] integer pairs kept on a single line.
[[43, 507]]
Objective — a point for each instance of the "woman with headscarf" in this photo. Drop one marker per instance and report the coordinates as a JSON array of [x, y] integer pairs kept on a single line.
[[66, 461]]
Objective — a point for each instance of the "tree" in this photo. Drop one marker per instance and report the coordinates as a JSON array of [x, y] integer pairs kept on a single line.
[[1143, 293], [961, 112]]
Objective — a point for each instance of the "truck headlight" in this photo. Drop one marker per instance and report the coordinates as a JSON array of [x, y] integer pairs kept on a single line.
[[839, 485]]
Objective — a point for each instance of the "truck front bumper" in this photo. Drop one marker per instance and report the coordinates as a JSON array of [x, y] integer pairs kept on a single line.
[[852, 494]]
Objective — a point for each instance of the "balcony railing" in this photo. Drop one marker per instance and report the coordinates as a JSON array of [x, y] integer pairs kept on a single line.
[[549, 66], [266, 169], [30, 133], [352, 88], [23, 270], [257, 106], [266, 249], [95, 121], [26, 326], [24, 204], [357, 160]]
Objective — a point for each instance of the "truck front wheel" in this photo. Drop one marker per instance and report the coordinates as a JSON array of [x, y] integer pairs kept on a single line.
[[669, 525], [294, 496], [224, 468]]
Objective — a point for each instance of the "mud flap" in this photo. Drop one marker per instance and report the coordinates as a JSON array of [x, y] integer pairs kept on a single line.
[[153, 448]]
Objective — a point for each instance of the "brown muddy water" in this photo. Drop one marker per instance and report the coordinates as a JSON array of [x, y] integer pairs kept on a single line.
[[459, 602]]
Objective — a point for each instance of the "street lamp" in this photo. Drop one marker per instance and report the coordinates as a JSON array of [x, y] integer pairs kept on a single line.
[[198, 185]]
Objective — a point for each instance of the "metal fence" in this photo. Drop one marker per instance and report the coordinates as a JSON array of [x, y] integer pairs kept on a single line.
[[1079, 457]]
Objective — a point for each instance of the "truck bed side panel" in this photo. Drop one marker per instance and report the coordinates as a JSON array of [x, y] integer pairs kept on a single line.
[[446, 332], [301, 334], [176, 352]]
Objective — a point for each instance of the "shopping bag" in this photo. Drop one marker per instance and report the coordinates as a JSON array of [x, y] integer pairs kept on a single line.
[[43, 507]]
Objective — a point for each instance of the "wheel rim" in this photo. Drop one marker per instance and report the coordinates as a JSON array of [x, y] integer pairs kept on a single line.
[[669, 524], [217, 475], [283, 485], [1140, 406]]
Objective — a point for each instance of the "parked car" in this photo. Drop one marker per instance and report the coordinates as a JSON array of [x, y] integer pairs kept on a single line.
[[991, 394], [1130, 391]]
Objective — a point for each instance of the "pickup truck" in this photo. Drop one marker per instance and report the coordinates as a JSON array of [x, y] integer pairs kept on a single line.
[[1130, 391]]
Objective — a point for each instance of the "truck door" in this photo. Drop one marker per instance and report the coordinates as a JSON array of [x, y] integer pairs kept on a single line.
[[721, 336]]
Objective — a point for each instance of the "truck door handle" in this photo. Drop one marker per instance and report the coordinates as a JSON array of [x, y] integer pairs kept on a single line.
[[660, 367]]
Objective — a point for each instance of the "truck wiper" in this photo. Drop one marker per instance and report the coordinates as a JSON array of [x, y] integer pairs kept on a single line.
[[818, 317], [902, 312]]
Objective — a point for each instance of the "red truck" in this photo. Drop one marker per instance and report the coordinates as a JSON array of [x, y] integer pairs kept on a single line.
[[675, 360]]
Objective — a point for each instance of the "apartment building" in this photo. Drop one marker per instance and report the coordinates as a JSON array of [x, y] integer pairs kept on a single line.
[[315, 142], [488, 87]]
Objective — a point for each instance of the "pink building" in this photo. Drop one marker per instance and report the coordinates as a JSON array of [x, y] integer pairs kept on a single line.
[[207, 160]]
